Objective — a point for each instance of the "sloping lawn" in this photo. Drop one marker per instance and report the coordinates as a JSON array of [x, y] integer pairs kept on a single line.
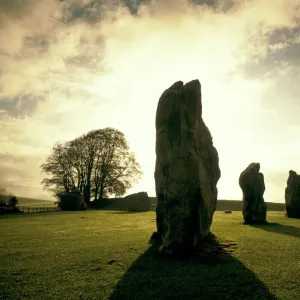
[[105, 255]]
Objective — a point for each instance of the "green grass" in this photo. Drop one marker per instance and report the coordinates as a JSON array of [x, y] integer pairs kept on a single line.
[[34, 202], [105, 255]]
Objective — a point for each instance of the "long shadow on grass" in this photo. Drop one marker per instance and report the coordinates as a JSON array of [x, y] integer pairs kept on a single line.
[[280, 228], [154, 277]]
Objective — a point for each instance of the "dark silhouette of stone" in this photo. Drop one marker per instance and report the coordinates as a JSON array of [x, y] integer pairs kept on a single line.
[[138, 201], [72, 201], [252, 183], [292, 195], [186, 171]]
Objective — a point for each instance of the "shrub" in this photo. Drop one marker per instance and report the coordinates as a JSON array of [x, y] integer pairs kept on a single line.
[[13, 201]]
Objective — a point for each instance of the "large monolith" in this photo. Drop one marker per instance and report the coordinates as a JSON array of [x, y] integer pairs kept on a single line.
[[292, 195], [252, 183], [186, 171], [72, 200], [138, 201]]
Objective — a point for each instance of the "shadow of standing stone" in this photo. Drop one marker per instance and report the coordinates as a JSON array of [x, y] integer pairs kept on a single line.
[[153, 276]]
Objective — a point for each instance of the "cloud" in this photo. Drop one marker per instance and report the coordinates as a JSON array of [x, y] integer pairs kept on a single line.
[[67, 67], [20, 174]]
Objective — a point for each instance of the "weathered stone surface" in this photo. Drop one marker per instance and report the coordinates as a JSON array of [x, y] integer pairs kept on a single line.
[[138, 202], [186, 171], [292, 195], [252, 183]]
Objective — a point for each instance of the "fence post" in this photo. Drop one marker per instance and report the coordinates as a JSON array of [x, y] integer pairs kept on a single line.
[[28, 209]]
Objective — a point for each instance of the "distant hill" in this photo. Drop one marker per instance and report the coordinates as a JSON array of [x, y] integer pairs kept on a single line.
[[234, 205], [22, 201]]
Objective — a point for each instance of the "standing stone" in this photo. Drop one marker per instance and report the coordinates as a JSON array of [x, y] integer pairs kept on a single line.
[[186, 171], [138, 201], [252, 183], [72, 201], [292, 195]]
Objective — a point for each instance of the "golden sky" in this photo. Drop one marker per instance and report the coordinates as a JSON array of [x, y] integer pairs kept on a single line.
[[70, 66]]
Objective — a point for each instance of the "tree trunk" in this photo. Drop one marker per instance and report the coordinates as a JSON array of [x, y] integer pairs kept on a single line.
[[101, 190], [96, 194], [87, 193]]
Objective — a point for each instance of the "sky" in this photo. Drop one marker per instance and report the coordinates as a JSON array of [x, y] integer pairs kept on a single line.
[[70, 66]]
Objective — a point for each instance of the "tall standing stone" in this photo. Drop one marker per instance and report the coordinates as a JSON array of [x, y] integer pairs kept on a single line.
[[252, 183], [292, 195], [186, 170]]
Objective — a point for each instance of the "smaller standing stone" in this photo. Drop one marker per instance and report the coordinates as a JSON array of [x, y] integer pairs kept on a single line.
[[292, 195], [138, 202], [72, 201], [252, 183]]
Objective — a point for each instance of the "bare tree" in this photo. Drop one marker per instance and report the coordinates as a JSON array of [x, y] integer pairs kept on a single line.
[[116, 168], [5, 196], [99, 162], [58, 165], [83, 152]]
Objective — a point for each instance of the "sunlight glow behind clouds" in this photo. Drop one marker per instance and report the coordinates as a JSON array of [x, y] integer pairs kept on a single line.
[[112, 73]]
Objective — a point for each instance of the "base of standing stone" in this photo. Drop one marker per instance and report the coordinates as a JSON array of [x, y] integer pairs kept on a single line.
[[155, 239], [292, 215], [209, 247]]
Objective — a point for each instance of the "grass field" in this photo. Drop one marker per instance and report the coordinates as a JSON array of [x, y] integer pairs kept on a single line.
[[105, 255]]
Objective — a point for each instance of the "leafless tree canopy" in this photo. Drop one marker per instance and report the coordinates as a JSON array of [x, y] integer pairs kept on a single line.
[[98, 163]]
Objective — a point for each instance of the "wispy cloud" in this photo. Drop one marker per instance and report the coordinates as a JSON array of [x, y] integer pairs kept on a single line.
[[67, 67]]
